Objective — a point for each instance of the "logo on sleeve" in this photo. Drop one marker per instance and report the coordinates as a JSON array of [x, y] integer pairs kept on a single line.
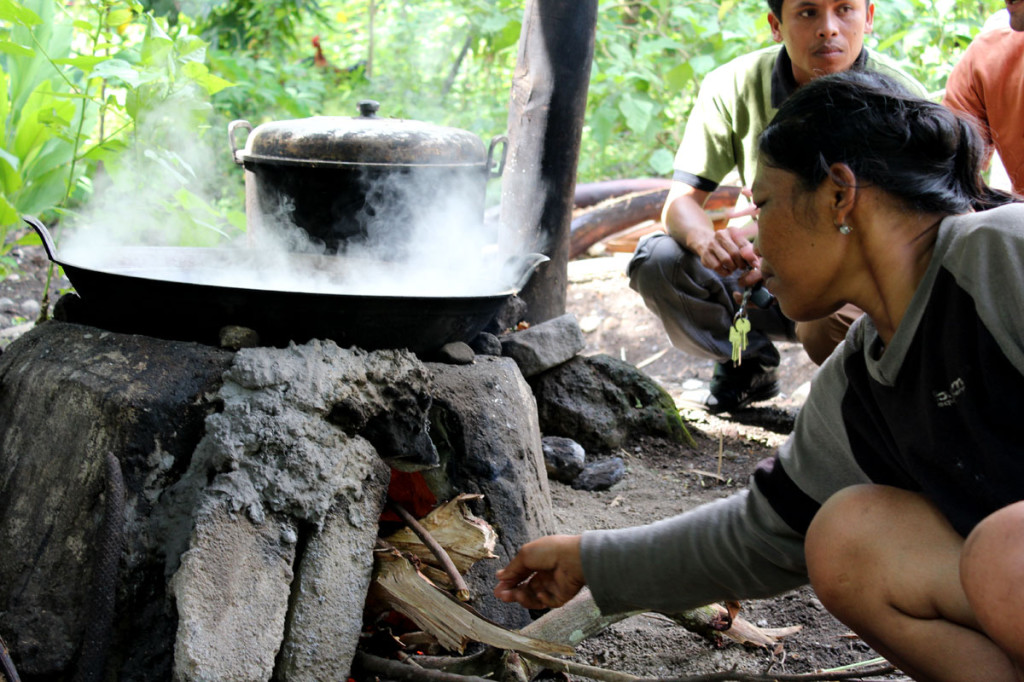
[[948, 397]]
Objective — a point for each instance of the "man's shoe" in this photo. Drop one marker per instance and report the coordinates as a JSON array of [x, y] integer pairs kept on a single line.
[[733, 388]]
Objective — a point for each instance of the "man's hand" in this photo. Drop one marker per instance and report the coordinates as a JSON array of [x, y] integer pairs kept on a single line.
[[729, 249], [546, 573], [721, 251]]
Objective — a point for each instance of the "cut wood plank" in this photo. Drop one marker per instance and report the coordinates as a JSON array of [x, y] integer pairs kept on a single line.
[[434, 611]]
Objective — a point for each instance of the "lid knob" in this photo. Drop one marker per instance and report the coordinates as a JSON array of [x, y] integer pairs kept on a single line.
[[368, 108]]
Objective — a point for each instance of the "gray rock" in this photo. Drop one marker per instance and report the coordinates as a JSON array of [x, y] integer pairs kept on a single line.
[[600, 475], [58, 420], [30, 308], [508, 316], [235, 337], [7, 305], [486, 344], [231, 592], [602, 403], [563, 457], [455, 353], [332, 582], [545, 345], [484, 421]]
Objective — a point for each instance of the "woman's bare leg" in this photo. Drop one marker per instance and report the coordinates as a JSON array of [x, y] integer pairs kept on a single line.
[[886, 562], [992, 574]]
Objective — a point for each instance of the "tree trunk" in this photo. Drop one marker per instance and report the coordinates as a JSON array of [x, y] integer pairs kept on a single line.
[[545, 124]]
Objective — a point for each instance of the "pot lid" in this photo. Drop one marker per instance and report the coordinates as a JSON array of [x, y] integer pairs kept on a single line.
[[363, 140]]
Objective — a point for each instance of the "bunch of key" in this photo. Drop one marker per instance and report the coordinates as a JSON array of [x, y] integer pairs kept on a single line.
[[738, 330]]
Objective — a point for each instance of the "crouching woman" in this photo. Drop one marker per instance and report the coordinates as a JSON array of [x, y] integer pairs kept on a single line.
[[898, 495]]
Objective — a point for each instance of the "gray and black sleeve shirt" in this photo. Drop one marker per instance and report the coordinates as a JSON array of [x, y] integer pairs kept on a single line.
[[936, 413]]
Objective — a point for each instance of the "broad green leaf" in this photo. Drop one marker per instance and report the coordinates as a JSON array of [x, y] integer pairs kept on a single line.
[[118, 69], [603, 124], [508, 36], [10, 179], [193, 203], [190, 48], [637, 112], [54, 154], [5, 105], [17, 13], [106, 151], [29, 239], [655, 46], [10, 159], [495, 23], [679, 76], [702, 63], [8, 214], [237, 219], [202, 76], [891, 39], [7, 47], [156, 48], [662, 161], [43, 194], [119, 17], [31, 132], [71, 95], [85, 63]]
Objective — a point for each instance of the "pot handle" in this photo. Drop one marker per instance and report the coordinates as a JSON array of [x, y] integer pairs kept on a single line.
[[519, 269], [236, 155], [44, 234], [494, 171]]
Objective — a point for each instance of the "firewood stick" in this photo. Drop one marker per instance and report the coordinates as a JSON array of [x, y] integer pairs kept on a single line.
[[404, 672], [604, 675], [573, 622], [461, 589], [579, 618], [7, 670]]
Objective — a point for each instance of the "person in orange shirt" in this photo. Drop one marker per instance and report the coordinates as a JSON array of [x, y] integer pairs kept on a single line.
[[988, 84]]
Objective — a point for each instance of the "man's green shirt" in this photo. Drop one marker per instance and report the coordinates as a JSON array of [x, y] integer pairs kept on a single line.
[[735, 103]]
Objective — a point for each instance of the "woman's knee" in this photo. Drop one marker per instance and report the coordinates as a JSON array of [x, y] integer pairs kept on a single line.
[[859, 538], [838, 540], [992, 575]]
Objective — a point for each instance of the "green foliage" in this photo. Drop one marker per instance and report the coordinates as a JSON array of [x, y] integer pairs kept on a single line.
[[260, 27], [75, 90], [929, 37], [39, 113], [89, 82]]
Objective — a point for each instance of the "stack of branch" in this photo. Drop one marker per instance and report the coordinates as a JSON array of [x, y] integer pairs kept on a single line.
[[418, 574]]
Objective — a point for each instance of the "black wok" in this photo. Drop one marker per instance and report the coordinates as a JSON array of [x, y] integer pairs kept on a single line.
[[165, 292]]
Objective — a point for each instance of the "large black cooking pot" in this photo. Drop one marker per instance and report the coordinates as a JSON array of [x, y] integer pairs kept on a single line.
[[180, 293], [351, 181]]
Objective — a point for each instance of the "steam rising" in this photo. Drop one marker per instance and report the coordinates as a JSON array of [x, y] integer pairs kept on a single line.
[[440, 248]]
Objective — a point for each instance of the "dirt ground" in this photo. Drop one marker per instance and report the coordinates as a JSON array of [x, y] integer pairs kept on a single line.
[[662, 479]]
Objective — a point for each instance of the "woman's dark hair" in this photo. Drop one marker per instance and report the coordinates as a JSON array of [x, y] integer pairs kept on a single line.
[[916, 150]]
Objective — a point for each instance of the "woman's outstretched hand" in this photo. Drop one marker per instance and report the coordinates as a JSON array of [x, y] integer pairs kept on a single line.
[[545, 573]]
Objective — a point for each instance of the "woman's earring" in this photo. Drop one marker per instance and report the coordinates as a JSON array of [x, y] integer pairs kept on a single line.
[[844, 229]]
